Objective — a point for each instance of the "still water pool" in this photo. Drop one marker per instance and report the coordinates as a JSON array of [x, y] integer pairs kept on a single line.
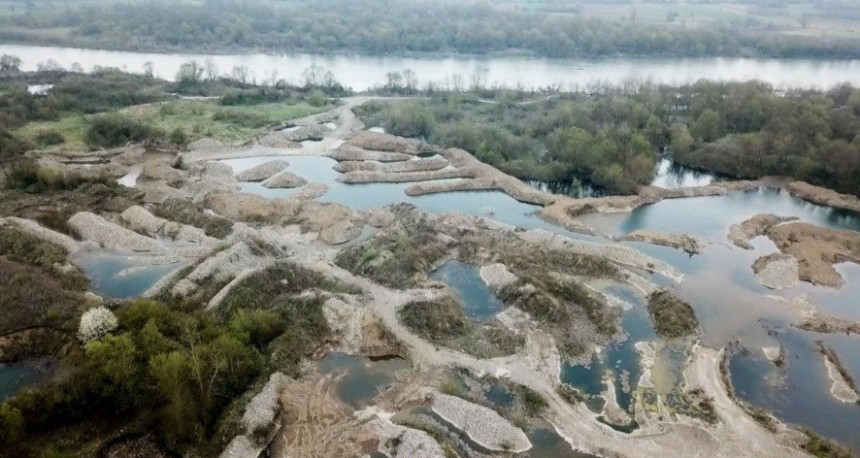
[[477, 299]]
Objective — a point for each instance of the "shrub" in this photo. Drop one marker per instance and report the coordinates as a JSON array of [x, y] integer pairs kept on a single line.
[[317, 98], [671, 315], [22, 174], [49, 137], [116, 130], [96, 323], [179, 137]]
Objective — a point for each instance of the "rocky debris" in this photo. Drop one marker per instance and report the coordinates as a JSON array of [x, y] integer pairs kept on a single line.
[[252, 207], [217, 168], [826, 324], [221, 268], [340, 232], [817, 250], [345, 318], [262, 171], [140, 219], [403, 442], [402, 177], [681, 241], [163, 172], [261, 414], [302, 133], [843, 387], [386, 142], [775, 354], [824, 196], [777, 271], [285, 180], [37, 230], [612, 413], [206, 144], [741, 233], [347, 152], [415, 165], [111, 236], [311, 191], [242, 446], [497, 276], [379, 217], [481, 424]]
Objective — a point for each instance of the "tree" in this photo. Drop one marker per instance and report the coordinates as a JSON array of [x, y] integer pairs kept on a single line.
[[149, 69], [211, 69], [49, 65], [190, 73], [9, 63], [96, 323], [76, 68], [706, 128], [240, 74]]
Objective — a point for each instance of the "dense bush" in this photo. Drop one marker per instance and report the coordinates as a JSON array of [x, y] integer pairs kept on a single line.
[[672, 316], [613, 136], [49, 137], [112, 130]]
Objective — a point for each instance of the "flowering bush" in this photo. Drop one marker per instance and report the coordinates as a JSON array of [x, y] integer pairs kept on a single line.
[[96, 323]]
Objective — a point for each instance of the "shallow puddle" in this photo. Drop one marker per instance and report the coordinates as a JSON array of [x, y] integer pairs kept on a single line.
[[477, 299], [15, 376], [359, 379]]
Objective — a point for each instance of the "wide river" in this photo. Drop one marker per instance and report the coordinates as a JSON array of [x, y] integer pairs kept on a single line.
[[363, 72]]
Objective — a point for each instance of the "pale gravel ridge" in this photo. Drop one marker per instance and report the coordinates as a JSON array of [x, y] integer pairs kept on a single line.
[[483, 425], [497, 276], [48, 235], [112, 236], [262, 171]]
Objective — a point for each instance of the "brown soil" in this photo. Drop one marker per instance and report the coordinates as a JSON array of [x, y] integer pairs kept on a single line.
[[817, 249]]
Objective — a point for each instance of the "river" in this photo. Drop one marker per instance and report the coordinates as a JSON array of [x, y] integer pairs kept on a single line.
[[363, 72]]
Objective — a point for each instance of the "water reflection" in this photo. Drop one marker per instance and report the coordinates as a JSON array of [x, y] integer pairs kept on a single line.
[[671, 175]]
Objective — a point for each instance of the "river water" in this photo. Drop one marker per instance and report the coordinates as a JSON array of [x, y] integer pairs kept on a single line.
[[363, 72]]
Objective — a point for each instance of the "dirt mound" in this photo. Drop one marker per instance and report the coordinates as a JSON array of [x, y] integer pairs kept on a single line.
[[817, 250]]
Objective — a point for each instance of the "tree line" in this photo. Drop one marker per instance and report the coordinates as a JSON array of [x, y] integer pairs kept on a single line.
[[397, 27], [613, 136]]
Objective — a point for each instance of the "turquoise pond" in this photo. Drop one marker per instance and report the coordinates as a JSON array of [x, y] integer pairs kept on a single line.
[[477, 299]]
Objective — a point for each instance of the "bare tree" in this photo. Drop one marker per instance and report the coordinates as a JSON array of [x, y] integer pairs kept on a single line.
[[149, 69], [77, 68], [211, 69], [410, 81], [240, 73], [9, 62], [190, 73]]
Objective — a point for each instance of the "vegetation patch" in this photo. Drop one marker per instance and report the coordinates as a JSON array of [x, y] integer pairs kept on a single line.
[[30, 298], [396, 257], [185, 212], [24, 248], [444, 323], [564, 307], [182, 373], [672, 316]]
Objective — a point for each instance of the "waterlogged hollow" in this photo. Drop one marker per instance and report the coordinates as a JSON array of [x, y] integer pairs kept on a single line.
[[359, 379], [363, 72], [18, 375], [621, 358], [120, 276], [477, 299]]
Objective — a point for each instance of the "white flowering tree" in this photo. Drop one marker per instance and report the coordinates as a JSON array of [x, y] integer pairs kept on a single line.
[[96, 323]]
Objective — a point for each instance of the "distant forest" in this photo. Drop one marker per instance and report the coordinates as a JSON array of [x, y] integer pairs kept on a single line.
[[439, 27]]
